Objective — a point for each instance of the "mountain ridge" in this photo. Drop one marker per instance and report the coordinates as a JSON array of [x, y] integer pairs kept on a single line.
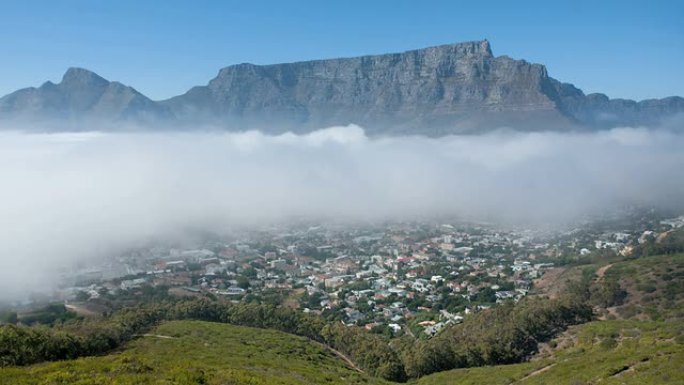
[[457, 88]]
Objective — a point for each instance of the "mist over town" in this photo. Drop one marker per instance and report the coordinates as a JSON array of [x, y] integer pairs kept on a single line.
[[86, 196]]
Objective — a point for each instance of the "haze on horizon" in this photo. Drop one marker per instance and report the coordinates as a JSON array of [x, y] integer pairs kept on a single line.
[[74, 196]]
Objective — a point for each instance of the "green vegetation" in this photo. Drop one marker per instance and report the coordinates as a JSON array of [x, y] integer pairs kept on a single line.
[[643, 349], [605, 352], [640, 350], [488, 375], [8, 317], [654, 287], [502, 335], [20, 345], [47, 315], [194, 352]]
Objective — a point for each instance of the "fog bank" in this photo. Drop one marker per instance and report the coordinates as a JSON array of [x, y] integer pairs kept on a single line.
[[73, 195]]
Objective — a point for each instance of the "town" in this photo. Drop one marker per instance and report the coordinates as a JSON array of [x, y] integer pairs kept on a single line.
[[393, 278]]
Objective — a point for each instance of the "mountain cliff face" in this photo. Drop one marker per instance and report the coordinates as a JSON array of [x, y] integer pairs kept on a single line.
[[458, 88]]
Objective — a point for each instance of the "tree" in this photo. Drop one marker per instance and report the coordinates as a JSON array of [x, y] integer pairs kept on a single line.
[[250, 272], [242, 282], [608, 293], [9, 317], [82, 296]]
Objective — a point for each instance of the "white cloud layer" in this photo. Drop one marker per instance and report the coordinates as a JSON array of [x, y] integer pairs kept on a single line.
[[72, 195]]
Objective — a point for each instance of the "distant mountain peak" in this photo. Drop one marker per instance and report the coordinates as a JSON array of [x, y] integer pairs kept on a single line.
[[83, 77], [81, 96]]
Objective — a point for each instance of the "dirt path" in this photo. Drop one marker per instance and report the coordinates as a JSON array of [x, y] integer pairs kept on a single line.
[[80, 310], [601, 272], [535, 373], [630, 368], [156, 336], [339, 354]]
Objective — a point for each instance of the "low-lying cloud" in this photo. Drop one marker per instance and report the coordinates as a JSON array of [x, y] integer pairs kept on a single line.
[[73, 195]]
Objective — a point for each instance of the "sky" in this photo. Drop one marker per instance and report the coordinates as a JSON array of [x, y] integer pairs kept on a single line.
[[627, 49]]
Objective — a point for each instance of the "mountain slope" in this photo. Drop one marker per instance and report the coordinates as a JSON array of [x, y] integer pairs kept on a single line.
[[194, 352], [598, 111], [605, 352], [452, 88], [654, 288], [81, 95], [448, 89]]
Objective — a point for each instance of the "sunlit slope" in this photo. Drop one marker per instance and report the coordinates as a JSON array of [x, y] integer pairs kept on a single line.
[[654, 287], [606, 352], [645, 288], [194, 352], [602, 352], [646, 348]]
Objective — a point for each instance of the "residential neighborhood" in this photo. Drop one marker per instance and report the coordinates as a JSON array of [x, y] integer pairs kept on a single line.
[[413, 277]]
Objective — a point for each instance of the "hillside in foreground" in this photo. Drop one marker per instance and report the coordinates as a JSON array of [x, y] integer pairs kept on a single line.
[[637, 339], [602, 352], [654, 288], [195, 352], [645, 288]]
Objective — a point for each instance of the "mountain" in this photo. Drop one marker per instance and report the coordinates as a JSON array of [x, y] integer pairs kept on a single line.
[[81, 96], [428, 91], [457, 88]]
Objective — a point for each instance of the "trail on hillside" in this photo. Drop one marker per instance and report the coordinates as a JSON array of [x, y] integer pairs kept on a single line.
[[341, 355], [80, 310], [535, 373], [601, 272], [156, 336]]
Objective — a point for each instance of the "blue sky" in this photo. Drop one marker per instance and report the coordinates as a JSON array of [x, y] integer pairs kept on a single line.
[[629, 49]]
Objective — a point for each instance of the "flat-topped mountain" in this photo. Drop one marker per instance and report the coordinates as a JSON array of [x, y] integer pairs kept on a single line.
[[457, 88]]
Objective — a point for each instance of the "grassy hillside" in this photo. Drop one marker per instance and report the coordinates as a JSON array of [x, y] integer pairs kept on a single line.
[[195, 352], [654, 286], [605, 352], [641, 340]]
